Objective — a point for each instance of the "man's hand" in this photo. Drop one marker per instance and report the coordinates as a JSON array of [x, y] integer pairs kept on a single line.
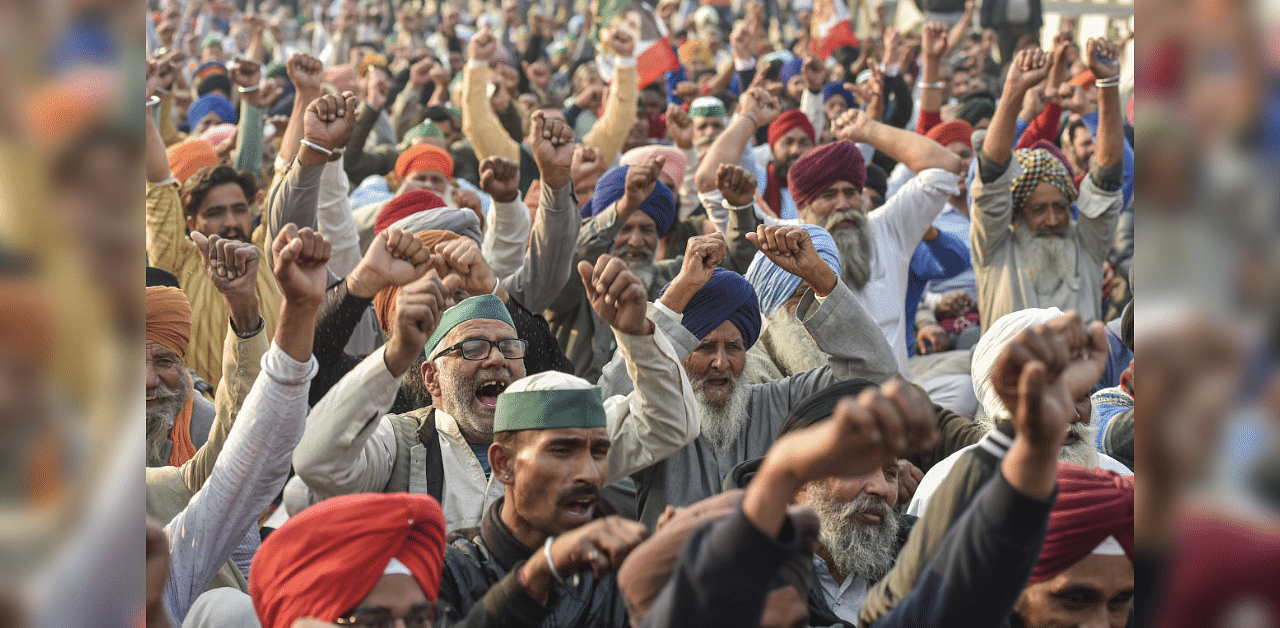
[[306, 73], [895, 47], [599, 547], [462, 257], [760, 105], [932, 339], [588, 166], [328, 122], [640, 183], [1103, 57], [622, 41], [1075, 99], [852, 125], [301, 256], [500, 178], [590, 98], [466, 199], [934, 43], [815, 73], [153, 78], [680, 126], [617, 296], [482, 46], [246, 73], [395, 258], [862, 436], [1042, 372], [232, 266], [1059, 66], [376, 89], [873, 93], [418, 308], [790, 248], [420, 72], [909, 476], [953, 304], [552, 143], [737, 184], [740, 40], [1028, 69]]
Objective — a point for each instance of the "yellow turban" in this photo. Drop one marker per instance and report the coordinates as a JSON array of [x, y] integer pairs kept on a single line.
[[169, 318]]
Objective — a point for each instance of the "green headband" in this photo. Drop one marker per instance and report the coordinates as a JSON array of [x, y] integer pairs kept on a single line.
[[485, 306], [549, 410], [708, 111]]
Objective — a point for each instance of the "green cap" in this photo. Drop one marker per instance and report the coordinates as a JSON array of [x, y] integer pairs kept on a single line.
[[707, 107], [454, 111], [549, 410], [426, 129], [212, 39], [485, 306], [276, 70]]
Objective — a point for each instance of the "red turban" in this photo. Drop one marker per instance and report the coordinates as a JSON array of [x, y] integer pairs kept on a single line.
[[405, 205], [328, 558], [424, 157], [954, 131], [821, 167], [1092, 504], [188, 156], [790, 120], [169, 318]]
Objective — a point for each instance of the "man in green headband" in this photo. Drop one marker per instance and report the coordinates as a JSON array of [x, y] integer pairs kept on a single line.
[[473, 354], [541, 554]]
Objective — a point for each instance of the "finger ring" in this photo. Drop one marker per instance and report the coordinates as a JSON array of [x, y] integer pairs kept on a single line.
[[594, 555]]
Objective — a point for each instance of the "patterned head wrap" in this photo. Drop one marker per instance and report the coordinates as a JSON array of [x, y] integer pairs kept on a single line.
[[1039, 166]]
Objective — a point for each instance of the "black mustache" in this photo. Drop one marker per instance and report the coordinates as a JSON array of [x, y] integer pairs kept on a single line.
[[234, 233], [580, 490]]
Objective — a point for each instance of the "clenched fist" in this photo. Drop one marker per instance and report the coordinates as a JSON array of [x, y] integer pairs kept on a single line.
[[500, 178], [553, 149], [736, 184]]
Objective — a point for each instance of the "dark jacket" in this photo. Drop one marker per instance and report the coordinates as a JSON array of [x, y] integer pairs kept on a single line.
[[480, 589]]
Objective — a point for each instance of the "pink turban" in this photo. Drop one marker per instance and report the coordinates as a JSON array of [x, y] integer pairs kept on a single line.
[[674, 167]]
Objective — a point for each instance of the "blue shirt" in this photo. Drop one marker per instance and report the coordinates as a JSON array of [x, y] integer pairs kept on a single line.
[[944, 257]]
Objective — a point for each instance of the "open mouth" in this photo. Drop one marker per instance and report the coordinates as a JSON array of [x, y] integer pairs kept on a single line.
[[844, 224], [869, 518], [579, 508], [487, 392], [634, 256]]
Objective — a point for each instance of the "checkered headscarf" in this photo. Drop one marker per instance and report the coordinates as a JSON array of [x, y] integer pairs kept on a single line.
[[1040, 166]]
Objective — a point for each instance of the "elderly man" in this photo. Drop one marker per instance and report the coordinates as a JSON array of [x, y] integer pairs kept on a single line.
[[254, 464], [875, 247], [473, 355], [630, 212], [363, 560], [170, 392], [553, 452], [1080, 446], [728, 146], [422, 167], [219, 201], [713, 317], [1027, 249]]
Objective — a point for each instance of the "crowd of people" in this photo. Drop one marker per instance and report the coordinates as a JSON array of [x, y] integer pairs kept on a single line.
[[488, 315]]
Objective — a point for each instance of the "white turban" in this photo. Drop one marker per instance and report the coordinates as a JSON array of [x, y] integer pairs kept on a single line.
[[989, 348]]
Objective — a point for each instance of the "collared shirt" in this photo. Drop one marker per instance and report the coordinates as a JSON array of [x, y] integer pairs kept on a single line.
[[954, 222], [845, 599]]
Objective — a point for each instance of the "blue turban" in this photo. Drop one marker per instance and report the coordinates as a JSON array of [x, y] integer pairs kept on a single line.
[[836, 88], [661, 204], [210, 103], [790, 70], [725, 297], [775, 285]]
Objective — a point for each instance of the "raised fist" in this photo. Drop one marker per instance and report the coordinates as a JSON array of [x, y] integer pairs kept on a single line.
[[553, 149], [737, 184], [618, 297], [301, 259], [639, 185], [622, 41], [500, 178], [680, 126], [306, 73], [329, 119], [1103, 57], [482, 46]]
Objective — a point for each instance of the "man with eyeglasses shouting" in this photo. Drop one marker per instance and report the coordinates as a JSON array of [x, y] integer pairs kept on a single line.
[[473, 355]]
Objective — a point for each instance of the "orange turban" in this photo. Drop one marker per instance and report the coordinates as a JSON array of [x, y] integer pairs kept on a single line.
[[169, 318], [384, 302], [424, 157], [26, 320], [954, 131], [324, 561], [188, 156], [1083, 79]]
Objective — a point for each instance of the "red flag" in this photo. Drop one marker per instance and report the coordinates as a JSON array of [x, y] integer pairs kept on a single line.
[[831, 28], [654, 55]]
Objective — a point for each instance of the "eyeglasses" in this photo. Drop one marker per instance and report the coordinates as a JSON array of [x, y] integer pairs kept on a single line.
[[477, 349], [419, 616]]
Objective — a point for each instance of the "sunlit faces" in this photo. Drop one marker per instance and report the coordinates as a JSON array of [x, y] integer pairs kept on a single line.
[[425, 180], [1095, 592], [224, 212], [1047, 212], [705, 130], [554, 477], [468, 390]]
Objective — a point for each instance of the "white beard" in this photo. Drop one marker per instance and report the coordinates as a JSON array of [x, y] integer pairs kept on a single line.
[[789, 344], [1083, 452], [1046, 262], [160, 418], [722, 422], [645, 270], [854, 244], [857, 549]]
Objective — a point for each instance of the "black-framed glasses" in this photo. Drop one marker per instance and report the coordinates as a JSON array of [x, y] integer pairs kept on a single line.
[[477, 349], [419, 616]]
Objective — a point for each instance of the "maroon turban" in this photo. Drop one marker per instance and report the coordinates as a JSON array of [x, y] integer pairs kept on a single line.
[[405, 205], [821, 167], [790, 120], [1092, 504], [322, 562]]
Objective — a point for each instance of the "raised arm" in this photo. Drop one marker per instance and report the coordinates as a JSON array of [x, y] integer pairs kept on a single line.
[[757, 108], [479, 123], [915, 151], [1104, 60], [611, 129], [247, 77], [307, 74], [956, 35], [167, 242], [1028, 68], [326, 125], [932, 49], [157, 159]]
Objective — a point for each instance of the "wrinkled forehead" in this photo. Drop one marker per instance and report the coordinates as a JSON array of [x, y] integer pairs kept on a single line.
[[487, 328]]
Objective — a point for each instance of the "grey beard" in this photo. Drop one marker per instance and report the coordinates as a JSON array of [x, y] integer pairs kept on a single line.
[[789, 344], [722, 422], [645, 270], [1083, 452], [160, 418], [857, 549], [458, 401], [855, 246], [1046, 262]]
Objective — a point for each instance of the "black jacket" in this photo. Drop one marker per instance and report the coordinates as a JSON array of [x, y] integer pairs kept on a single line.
[[479, 587]]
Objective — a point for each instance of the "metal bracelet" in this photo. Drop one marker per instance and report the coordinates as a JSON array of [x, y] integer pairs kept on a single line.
[[546, 551], [318, 148]]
